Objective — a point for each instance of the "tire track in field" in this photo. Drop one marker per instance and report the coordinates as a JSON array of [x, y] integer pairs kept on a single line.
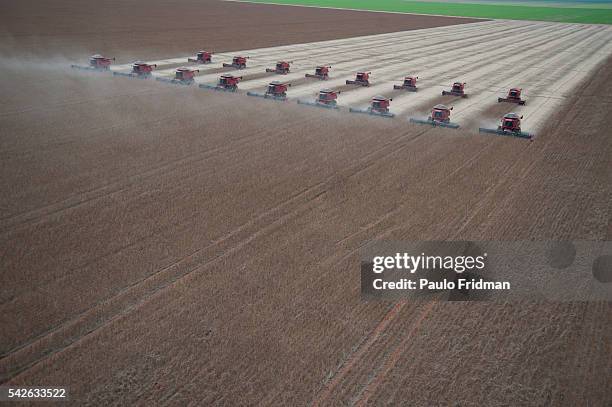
[[364, 163], [244, 142], [390, 363], [353, 358], [393, 213], [335, 260], [486, 193], [472, 160], [93, 314], [386, 146], [130, 245], [392, 360], [158, 230], [120, 183], [126, 300], [376, 155], [371, 386]]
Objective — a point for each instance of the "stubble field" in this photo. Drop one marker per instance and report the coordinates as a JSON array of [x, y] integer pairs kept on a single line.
[[163, 244]]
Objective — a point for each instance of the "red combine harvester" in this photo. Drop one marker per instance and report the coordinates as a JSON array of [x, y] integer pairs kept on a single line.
[[238, 62], [362, 79], [440, 116], [456, 90], [141, 70], [514, 96], [327, 98], [379, 106], [282, 68], [409, 84], [276, 90], [510, 126], [227, 83], [182, 76], [321, 72], [202, 57], [96, 63]]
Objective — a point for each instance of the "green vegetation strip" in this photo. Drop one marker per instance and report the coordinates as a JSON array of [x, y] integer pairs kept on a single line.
[[511, 12]]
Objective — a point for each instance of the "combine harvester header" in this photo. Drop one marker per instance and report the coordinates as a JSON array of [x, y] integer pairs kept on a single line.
[[409, 84], [440, 116], [182, 76], [327, 99], [379, 106], [458, 89], [202, 57], [227, 83], [514, 96], [361, 78], [96, 63], [281, 68], [140, 70], [238, 62], [276, 90], [510, 126], [321, 73]]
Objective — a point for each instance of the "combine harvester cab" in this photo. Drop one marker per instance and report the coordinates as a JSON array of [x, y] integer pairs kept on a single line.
[[227, 83], [182, 76], [276, 90], [361, 78], [327, 99], [510, 126], [514, 96], [281, 68], [96, 63], [140, 70], [202, 57], [321, 73], [458, 89], [440, 116], [409, 84], [238, 62], [379, 106]]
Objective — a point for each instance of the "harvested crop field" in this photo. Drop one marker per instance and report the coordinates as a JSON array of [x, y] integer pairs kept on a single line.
[[167, 245]]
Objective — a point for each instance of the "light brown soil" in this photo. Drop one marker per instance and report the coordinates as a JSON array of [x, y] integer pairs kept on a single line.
[[166, 245]]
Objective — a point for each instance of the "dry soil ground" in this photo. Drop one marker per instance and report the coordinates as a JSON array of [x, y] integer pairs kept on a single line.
[[164, 245], [157, 28]]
